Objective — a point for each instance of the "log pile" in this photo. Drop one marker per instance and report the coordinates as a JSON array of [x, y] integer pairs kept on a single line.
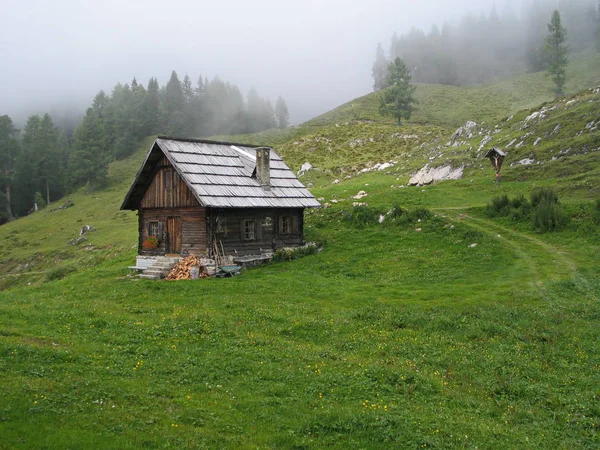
[[182, 270]]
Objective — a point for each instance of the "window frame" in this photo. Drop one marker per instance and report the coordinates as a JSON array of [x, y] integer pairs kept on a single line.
[[249, 230], [290, 222], [154, 229]]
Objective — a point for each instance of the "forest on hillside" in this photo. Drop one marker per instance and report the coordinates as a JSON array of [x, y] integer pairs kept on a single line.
[[41, 162], [485, 48]]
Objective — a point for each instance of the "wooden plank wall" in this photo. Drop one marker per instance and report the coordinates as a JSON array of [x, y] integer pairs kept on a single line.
[[193, 229], [227, 229], [167, 190]]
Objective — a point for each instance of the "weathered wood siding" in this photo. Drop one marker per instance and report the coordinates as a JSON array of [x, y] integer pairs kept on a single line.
[[167, 189], [227, 228], [192, 230]]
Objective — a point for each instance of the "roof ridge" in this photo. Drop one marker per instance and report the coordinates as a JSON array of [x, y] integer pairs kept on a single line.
[[208, 141]]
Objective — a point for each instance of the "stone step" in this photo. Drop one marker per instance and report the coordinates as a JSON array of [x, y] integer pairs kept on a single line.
[[153, 271], [161, 266], [149, 277], [167, 259]]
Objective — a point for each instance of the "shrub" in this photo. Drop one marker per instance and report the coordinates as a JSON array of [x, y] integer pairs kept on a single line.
[[544, 211], [362, 216], [596, 212], [396, 212], [59, 272], [409, 217], [499, 206], [543, 195], [289, 254], [548, 215]]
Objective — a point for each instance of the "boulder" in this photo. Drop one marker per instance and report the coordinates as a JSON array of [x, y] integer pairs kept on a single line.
[[305, 168], [428, 175]]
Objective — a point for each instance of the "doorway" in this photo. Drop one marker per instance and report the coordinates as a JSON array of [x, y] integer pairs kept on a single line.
[[173, 235]]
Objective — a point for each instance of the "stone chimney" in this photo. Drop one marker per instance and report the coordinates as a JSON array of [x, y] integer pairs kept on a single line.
[[263, 166]]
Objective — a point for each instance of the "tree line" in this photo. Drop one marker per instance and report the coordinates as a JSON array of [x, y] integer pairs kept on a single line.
[[489, 47], [396, 98], [40, 163]]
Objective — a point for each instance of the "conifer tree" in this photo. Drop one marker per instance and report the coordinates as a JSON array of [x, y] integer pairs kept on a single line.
[[379, 70], [151, 109], [188, 91], [9, 153], [556, 52], [88, 162], [397, 100], [49, 168], [281, 113]]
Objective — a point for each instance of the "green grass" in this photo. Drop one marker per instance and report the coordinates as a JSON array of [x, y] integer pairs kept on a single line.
[[37, 245], [402, 334], [451, 106], [388, 337]]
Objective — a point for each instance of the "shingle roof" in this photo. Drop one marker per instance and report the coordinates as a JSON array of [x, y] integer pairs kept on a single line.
[[219, 174]]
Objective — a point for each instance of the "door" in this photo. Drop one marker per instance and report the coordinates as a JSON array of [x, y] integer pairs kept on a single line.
[[174, 235]]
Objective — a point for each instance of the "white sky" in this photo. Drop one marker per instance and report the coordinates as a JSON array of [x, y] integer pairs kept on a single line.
[[317, 54]]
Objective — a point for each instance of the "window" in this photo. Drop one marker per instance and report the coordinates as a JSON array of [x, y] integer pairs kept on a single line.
[[249, 230], [154, 229], [288, 224]]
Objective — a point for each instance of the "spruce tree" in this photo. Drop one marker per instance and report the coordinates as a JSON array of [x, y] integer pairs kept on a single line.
[[397, 100], [188, 91], [151, 109], [88, 162], [281, 113], [9, 153], [556, 53], [48, 163], [379, 70]]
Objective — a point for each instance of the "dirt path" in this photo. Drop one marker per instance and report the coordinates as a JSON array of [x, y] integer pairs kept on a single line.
[[543, 261]]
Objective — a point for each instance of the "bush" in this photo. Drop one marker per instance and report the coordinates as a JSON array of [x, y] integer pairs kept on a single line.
[[596, 212], [58, 273], [548, 215], [541, 195], [498, 207], [289, 254], [544, 211], [363, 215]]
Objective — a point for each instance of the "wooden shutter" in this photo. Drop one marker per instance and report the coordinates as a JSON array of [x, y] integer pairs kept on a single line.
[[258, 230]]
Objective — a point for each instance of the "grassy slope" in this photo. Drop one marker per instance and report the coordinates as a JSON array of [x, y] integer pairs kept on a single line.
[[39, 242], [390, 337], [453, 106]]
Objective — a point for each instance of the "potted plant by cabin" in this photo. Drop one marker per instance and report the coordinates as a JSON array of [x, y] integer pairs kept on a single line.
[[150, 243]]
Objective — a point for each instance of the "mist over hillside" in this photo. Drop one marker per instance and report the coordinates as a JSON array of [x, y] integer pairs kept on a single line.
[[317, 55]]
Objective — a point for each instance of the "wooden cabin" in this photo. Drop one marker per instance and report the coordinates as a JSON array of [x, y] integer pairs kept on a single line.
[[193, 195]]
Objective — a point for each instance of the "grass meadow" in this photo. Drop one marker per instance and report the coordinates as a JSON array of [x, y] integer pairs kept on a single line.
[[437, 328], [395, 335]]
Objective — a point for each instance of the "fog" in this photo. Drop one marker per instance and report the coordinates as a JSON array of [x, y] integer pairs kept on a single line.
[[316, 54]]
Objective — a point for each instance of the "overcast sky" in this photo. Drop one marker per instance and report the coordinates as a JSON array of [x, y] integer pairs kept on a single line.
[[316, 54]]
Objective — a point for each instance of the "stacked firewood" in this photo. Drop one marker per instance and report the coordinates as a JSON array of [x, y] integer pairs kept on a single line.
[[182, 270]]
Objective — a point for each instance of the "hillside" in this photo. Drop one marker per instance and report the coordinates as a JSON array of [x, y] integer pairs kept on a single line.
[[452, 106], [435, 326]]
